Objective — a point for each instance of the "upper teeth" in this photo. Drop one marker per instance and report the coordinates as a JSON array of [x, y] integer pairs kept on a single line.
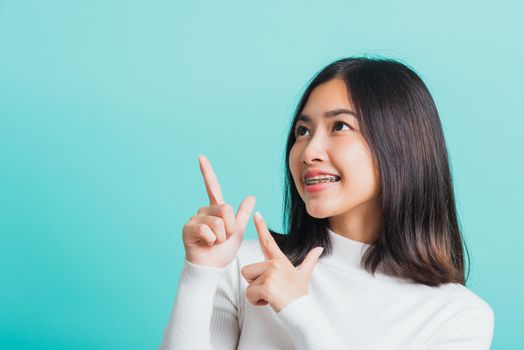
[[321, 178]]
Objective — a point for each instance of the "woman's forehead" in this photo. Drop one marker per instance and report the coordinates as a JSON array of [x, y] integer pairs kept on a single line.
[[331, 95]]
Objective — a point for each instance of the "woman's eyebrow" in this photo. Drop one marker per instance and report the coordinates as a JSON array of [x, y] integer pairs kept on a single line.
[[327, 114]]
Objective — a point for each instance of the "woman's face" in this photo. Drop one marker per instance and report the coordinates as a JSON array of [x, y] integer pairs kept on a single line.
[[330, 142]]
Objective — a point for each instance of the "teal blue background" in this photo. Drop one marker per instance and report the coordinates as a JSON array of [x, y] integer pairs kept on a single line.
[[104, 106]]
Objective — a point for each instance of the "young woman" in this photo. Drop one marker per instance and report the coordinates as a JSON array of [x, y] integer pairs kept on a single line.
[[368, 180]]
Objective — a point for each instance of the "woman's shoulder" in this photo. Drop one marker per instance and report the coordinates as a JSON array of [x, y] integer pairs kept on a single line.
[[465, 310], [462, 298], [464, 315]]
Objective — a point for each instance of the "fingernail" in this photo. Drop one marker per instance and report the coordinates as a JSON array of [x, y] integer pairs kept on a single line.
[[258, 215]]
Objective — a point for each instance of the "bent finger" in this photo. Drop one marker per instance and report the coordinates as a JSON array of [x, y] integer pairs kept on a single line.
[[216, 224], [253, 271], [224, 211]]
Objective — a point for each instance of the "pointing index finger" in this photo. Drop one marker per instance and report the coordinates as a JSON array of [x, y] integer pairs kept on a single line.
[[269, 247], [212, 186]]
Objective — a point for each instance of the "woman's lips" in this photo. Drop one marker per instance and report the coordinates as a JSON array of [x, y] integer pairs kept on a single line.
[[320, 186]]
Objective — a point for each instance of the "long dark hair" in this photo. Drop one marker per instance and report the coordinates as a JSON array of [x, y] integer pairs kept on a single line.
[[419, 238]]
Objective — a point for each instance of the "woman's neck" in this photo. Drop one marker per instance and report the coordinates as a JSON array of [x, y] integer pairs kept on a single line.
[[360, 223]]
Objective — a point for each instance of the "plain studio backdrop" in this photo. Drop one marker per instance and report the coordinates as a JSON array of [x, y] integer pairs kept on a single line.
[[104, 106]]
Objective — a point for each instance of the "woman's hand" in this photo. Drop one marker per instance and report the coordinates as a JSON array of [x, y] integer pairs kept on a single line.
[[276, 281], [212, 236]]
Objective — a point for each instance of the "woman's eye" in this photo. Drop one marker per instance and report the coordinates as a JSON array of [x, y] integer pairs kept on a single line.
[[341, 124], [299, 129], [338, 127]]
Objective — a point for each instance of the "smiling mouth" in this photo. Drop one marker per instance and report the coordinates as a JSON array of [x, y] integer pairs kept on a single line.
[[321, 179]]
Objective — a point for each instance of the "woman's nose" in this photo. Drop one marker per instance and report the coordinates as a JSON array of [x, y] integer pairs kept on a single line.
[[315, 150]]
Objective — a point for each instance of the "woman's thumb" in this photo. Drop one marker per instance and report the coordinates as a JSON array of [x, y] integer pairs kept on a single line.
[[311, 259], [244, 211]]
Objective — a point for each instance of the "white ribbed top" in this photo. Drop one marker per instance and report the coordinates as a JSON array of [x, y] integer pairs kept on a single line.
[[346, 308]]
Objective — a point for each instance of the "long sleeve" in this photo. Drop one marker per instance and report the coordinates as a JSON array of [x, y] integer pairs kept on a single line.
[[309, 327], [471, 329], [204, 315]]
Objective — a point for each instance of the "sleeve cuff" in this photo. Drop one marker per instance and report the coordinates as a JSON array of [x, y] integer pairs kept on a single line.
[[192, 273]]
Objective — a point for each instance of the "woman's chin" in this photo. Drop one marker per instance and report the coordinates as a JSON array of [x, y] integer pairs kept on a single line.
[[318, 212]]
